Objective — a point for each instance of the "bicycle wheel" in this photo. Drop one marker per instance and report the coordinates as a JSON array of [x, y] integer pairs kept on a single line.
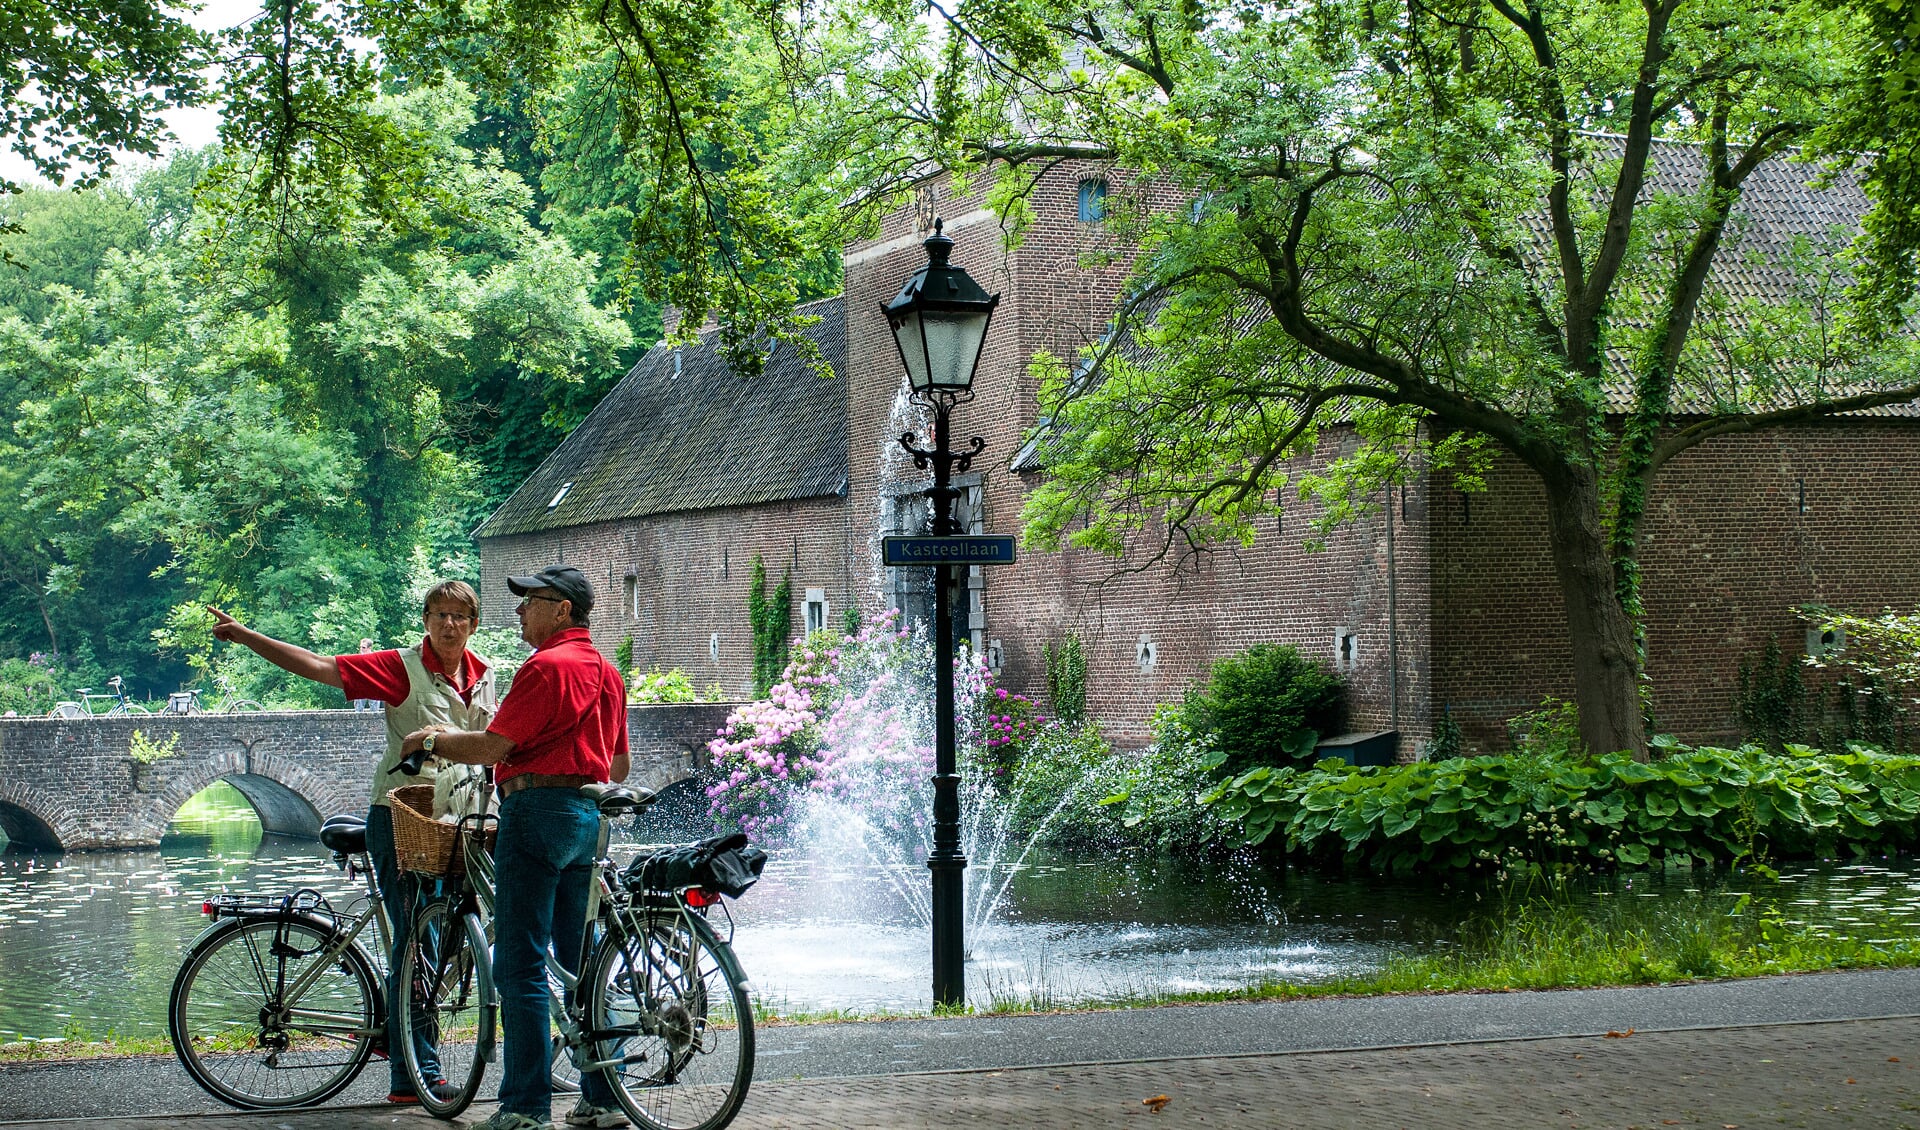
[[125, 708], [239, 1035], [67, 710], [448, 1019], [242, 706], [674, 1006]]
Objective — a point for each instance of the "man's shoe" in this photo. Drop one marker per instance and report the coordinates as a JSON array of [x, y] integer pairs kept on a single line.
[[443, 1092], [507, 1120], [585, 1113], [403, 1097]]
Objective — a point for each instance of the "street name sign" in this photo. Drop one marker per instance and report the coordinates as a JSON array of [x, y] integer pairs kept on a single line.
[[988, 549]]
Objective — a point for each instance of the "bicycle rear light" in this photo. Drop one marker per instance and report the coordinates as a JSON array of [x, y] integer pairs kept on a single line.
[[698, 898]]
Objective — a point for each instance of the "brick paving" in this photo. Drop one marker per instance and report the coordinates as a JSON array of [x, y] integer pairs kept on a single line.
[[1851, 1073]]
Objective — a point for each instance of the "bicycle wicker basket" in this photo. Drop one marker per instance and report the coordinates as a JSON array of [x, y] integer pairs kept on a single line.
[[422, 844]]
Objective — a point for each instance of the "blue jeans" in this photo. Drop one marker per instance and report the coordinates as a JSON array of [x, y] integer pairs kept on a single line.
[[543, 870], [400, 893]]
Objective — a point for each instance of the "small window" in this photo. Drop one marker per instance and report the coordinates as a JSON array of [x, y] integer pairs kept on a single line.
[[1093, 201], [1823, 642], [1146, 654], [560, 495], [633, 596], [1346, 650], [816, 610]]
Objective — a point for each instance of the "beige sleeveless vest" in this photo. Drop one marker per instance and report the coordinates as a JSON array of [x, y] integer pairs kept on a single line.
[[431, 700]]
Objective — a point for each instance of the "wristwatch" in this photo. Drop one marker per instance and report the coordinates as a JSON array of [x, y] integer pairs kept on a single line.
[[426, 743]]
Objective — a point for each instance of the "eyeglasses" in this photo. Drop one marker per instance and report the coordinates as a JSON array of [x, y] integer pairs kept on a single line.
[[448, 617], [535, 596]]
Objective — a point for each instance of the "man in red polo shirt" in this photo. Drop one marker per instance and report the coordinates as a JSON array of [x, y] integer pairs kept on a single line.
[[562, 725]]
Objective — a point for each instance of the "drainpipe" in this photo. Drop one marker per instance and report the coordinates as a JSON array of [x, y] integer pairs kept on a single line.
[[1393, 623]]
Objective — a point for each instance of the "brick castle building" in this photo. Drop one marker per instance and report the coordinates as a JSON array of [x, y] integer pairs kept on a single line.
[[1439, 601]]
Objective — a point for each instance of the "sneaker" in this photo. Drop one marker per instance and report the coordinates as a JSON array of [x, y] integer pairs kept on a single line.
[[443, 1091], [507, 1120], [585, 1113]]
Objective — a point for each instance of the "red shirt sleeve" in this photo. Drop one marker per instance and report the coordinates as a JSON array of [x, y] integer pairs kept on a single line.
[[380, 675], [527, 711]]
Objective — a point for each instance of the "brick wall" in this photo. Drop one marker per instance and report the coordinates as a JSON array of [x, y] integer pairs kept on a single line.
[[70, 784], [691, 572], [1057, 292], [1729, 553]]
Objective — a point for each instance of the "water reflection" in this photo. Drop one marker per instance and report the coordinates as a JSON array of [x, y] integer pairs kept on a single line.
[[89, 942]]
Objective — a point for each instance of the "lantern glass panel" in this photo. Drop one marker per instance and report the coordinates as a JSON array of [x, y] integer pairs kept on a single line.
[[913, 349], [952, 346]]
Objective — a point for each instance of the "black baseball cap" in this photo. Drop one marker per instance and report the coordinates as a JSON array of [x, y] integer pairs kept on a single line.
[[563, 579]]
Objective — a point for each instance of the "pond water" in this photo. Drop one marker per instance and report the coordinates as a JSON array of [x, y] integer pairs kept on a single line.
[[89, 942]]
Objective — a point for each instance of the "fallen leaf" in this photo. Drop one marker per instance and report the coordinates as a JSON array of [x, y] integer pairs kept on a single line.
[[1612, 1035], [1669, 1122], [1155, 1103], [1893, 1059], [1849, 1080]]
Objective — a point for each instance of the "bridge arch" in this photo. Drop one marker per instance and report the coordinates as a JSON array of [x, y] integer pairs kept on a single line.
[[34, 821], [286, 797]]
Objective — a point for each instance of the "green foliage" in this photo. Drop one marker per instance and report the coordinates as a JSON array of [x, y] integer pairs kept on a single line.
[[623, 655], [656, 687], [1267, 705], [1771, 696], [1547, 812], [504, 651], [1447, 741], [1075, 791], [1066, 663], [769, 615], [1553, 730], [146, 751], [31, 686]]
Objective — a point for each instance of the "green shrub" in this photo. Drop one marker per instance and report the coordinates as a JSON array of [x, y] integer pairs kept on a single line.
[[1078, 792], [30, 686], [1551, 731], [657, 687], [1552, 811], [1067, 678], [1267, 705]]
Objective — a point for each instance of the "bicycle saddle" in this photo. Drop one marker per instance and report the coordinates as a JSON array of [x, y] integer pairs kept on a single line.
[[614, 800], [344, 834]]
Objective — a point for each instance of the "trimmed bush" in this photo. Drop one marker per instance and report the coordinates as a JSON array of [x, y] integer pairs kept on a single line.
[[1267, 705], [1714, 805]]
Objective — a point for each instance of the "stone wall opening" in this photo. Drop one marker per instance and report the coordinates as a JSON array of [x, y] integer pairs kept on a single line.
[[282, 811], [22, 831]]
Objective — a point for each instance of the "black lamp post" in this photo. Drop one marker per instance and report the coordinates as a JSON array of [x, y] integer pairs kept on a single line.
[[939, 320]]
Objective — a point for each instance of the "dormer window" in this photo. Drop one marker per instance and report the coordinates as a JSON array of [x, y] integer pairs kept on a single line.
[[560, 495], [1093, 201]]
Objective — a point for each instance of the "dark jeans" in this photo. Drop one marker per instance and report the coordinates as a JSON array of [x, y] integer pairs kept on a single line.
[[543, 870], [401, 893]]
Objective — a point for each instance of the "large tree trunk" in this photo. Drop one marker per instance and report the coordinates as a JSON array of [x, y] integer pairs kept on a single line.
[[1606, 666]]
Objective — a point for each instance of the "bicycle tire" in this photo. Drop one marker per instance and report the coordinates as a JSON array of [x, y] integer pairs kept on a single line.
[[126, 708], [217, 1010], [242, 706], [450, 999], [677, 994], [67, 710]]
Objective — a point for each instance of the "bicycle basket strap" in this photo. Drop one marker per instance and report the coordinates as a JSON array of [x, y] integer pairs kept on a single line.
[[727, 864]]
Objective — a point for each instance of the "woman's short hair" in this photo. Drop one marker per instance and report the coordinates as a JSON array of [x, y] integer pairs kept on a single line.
[[453, 592]]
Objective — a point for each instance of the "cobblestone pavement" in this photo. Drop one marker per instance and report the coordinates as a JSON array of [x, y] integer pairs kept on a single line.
[[1850, 1073]]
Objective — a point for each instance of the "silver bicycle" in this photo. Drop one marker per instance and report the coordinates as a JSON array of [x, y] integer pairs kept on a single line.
[[660, 1006]]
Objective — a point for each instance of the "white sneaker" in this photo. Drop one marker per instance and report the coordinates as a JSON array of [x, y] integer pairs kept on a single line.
[[507, 1120], [585, 1113]]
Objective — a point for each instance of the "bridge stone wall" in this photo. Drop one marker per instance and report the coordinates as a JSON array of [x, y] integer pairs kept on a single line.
[[70, 784]]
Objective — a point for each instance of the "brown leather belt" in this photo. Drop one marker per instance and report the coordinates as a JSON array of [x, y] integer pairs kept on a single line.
[[514, 784]]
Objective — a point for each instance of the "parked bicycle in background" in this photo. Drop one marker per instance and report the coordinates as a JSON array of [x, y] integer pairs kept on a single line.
[[229, 702], [109, 704]]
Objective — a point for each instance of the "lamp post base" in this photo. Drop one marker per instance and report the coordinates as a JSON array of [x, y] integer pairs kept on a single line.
[[949, 930]]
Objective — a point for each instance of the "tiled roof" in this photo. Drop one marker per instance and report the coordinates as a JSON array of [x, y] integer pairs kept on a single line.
[[682, 431]]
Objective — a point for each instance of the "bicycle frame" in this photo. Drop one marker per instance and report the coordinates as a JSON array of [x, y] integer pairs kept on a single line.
[[288, 908]]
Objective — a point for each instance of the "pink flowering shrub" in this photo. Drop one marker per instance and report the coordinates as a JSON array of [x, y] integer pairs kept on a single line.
[[850, 720]]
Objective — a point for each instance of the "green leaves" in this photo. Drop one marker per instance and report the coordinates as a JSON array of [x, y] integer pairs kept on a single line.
[[1519, 811]]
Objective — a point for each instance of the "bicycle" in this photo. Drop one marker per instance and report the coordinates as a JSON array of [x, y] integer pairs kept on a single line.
[[187, 701], [277, 1003], [83, 706], [660, 1007]]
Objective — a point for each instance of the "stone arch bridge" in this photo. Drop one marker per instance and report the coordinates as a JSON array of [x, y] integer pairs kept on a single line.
[[72, 785]]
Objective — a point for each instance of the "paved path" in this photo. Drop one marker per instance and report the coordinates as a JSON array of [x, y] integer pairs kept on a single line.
[[1773, 1052]]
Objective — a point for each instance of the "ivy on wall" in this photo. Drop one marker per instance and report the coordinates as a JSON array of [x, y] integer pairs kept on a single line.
[[770, 615]]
